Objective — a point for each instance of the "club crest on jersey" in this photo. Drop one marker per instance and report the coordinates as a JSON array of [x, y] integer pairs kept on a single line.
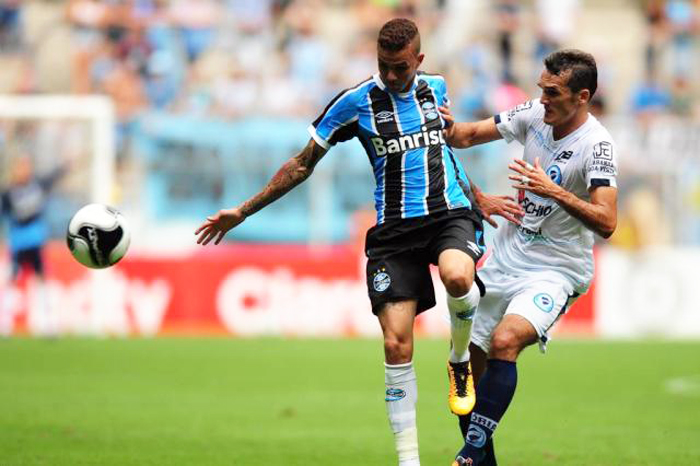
[[544, 302], [428, 109], [554, 173], [384, 117], [423, 138], [381, 280]]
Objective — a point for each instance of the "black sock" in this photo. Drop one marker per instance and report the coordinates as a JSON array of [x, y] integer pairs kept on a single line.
[[464, 424], [490, 454], [493, 395]]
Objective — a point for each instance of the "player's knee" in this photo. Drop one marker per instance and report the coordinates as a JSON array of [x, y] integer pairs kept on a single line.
[[397, 350], [504, 345], [457, 282]]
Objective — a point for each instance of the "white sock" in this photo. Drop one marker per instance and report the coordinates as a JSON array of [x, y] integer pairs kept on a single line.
[[462, 311], [401, 397]]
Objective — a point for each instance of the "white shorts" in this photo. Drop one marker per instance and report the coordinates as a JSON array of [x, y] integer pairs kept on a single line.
[[539, 297]]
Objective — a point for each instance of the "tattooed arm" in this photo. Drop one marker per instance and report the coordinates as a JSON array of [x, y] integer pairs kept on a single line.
[[292, 173]]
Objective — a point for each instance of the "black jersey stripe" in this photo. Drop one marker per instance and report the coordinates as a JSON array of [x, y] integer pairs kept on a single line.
[[344, 132], [436, 169], [425, 156], [466, 188], [388, 128], [335, 99]]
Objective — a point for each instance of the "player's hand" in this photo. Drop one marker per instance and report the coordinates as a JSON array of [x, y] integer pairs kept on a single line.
[[503, 206], [533, 178], [217, 225], [449, 123]]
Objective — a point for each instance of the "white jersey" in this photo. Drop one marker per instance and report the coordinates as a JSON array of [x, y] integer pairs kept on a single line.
[[549, 239]]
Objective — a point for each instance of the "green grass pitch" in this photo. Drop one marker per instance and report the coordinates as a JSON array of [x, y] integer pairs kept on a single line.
[[223, 401]]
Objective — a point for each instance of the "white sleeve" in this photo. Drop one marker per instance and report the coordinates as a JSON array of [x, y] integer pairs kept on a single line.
[[600, 164], [513, 123]]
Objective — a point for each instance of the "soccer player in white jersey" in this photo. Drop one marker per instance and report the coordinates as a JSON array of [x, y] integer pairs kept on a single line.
[[566, 186]]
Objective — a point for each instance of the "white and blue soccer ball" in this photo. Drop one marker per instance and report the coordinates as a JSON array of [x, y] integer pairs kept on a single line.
[[98, 236]]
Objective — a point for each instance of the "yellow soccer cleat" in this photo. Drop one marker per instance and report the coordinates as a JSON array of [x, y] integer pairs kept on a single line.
[[462, 395]]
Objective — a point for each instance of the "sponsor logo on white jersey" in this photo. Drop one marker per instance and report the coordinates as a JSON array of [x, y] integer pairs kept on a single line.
[[603, 150], [532, 208]]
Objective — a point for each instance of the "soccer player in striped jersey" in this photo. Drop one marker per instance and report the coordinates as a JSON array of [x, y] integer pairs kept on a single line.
[[426, 213], [567, 188]]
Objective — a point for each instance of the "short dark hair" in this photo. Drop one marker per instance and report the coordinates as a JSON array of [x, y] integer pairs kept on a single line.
[[397, 34], [584, 72]]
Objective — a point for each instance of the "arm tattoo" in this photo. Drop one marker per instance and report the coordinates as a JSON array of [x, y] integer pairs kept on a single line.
[[292, 173]]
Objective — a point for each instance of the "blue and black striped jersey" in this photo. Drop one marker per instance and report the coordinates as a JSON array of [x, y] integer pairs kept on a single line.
[[415, 170]]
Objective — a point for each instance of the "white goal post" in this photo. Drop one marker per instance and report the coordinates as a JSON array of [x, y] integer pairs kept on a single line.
[[96, 109]]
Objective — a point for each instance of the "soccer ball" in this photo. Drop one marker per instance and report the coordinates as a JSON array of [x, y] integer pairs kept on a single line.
[[98, 236]]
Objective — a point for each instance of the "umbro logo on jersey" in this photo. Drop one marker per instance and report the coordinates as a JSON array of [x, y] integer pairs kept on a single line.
[[407, 142], [384, 117]]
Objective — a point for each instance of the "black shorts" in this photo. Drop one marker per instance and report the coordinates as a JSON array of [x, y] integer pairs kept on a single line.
[[400, 254], [30, 257]]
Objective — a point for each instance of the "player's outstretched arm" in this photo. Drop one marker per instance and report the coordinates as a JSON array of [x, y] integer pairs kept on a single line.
[[292, 173], [599, 215], [463, 135]]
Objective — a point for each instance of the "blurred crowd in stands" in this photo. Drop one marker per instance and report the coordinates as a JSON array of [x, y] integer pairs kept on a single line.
[[235, 59]]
